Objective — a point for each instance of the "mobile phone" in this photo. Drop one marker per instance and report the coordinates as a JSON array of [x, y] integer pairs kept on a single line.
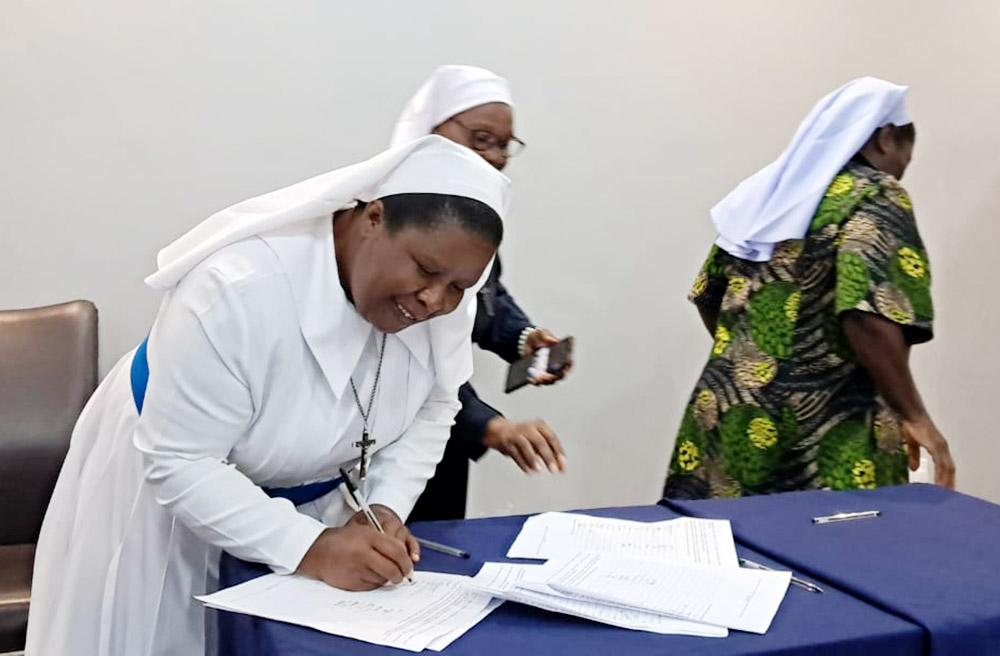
[[552, 359]]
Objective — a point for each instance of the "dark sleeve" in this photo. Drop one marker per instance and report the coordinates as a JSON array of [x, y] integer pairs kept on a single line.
[[470, 423], [882, 267], [499, 319], [711, 283]]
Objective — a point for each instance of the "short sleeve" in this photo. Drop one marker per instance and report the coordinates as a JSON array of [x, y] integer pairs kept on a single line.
[[882, 267], [710, 285]]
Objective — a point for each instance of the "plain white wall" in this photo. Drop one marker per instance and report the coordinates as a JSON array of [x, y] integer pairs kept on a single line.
[[124, 123]]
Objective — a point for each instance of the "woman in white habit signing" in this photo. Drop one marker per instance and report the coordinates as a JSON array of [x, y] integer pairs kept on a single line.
[[321, 326]]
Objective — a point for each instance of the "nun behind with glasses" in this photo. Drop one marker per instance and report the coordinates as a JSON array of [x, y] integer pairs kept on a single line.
[[473, 107]]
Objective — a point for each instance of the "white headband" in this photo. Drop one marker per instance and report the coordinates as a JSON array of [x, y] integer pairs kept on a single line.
[[450, 90], [431, 164], [778, 202]]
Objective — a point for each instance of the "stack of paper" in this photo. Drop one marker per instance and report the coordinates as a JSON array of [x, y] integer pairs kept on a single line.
[[523, 584], [430, 613], [679, 576], [706, 542]]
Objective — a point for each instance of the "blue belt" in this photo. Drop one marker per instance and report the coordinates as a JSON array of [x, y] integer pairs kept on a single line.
[[297, 495], [140, 375]]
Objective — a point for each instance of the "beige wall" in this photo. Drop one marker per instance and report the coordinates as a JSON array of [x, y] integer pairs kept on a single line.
[[124, 123]]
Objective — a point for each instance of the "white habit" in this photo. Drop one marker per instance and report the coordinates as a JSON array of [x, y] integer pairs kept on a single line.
[[250, 358]]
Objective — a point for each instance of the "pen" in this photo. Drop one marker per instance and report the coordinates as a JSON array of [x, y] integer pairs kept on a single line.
[[811, 587], [443, 548], [360, 500], [844, 516]]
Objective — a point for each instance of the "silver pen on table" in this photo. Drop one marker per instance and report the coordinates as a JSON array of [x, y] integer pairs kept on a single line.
[[845, 516], [802, 583], [443, 548]]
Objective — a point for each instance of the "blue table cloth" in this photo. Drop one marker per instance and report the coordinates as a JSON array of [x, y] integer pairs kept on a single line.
[[807, 623], [931, 557]]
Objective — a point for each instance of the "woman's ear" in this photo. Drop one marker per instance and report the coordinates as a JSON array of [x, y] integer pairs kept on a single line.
[[373, 218], [883, 138]]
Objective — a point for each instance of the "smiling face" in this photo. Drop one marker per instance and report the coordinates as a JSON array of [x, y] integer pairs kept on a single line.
[[488, 129], [397, 278]]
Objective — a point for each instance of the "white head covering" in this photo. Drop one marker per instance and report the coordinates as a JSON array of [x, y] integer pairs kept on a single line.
[[432, 164], [778, 202], [450, 90]]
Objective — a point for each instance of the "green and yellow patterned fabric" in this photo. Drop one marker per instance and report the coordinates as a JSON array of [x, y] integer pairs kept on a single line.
[[782, 404]]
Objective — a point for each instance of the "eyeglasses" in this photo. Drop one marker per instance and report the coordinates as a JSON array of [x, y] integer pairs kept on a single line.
[[483, 141]]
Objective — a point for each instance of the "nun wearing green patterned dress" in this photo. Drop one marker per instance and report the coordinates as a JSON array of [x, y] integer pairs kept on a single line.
[[815, 290]]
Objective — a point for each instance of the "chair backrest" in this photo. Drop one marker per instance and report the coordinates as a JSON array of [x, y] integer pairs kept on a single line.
[[48, 370]]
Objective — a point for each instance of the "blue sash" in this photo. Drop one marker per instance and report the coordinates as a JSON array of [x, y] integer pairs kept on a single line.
[[297, 495], [140, 375]]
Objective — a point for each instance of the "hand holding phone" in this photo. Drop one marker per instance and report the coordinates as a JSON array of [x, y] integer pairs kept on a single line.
[[553, 360]]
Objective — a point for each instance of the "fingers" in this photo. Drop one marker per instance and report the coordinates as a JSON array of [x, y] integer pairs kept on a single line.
[[500, 435], [532, 445], [520, 450], [412, 546], [378, 568], [394, 527], [944, 468], [913, 455], [545, 445], [380, 571], [945, 479], [550, 377], [541, 454], [529, 443], [535, 448], [544, 378], [394, 563], [925, 434], [555, 446], [540, 338], [368, 581]]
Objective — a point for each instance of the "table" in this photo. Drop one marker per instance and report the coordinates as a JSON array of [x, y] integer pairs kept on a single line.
[[932, 556], [807, 623]]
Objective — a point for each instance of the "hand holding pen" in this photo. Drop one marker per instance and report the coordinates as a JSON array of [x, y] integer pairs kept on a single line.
[[384, 520], [354, 557]]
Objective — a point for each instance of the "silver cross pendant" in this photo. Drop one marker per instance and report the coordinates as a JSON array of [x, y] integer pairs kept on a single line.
[[363, 444]]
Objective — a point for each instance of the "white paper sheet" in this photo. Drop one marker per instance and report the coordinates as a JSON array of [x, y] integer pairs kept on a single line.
[[502, 580], [741, 599], [431, 613], [443, 641], [707, 542]]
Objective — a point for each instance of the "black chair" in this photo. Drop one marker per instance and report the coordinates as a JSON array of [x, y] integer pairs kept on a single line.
[[48, 370]]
